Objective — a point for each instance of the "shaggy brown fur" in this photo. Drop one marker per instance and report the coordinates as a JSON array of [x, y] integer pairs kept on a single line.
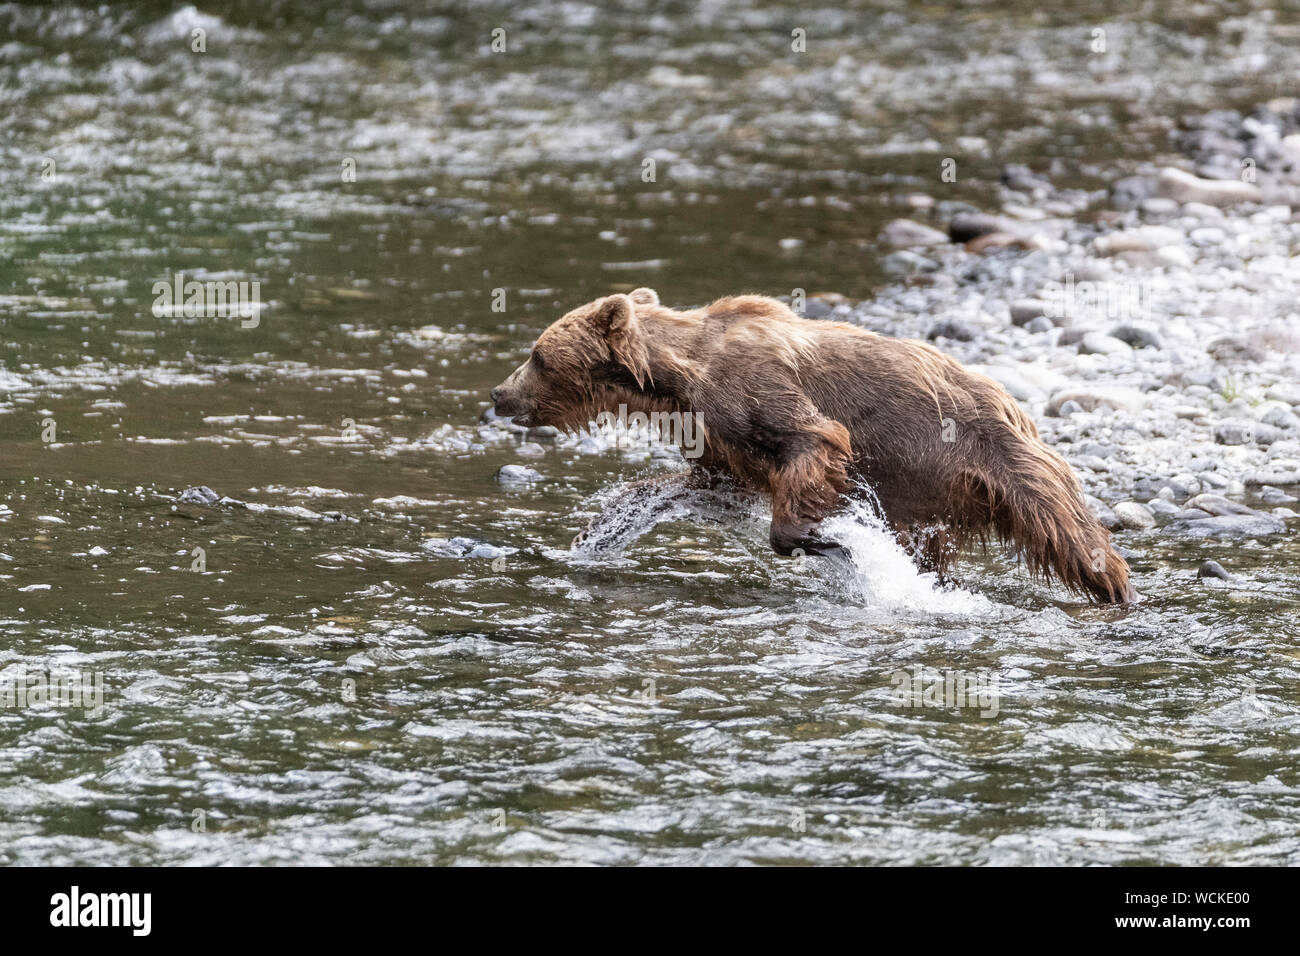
[[805, 411]]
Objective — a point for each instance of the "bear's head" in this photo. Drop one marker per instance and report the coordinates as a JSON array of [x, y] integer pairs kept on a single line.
[[593, 353]]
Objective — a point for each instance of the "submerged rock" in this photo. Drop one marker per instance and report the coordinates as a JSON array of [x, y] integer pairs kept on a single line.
[[1213, 569], [462, 547], [517, 475], [198, 495]]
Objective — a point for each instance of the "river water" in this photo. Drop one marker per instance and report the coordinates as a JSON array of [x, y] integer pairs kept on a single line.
[[389, 656]]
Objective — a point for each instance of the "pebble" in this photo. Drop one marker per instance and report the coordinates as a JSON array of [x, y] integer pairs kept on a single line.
[[1136, 336], [1098, 343], [1243, 432], [1183, 187], [904, 262], [1134, 516], [1024, 311], [965, 226], [1103, 513], [1284, 392], [1091, 399], [953, 329], [907, 233]]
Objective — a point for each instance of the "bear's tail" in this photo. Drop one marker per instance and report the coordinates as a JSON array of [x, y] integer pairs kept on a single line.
[[1035, 503]]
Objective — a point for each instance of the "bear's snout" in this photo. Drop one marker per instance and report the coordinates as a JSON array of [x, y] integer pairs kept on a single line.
[[508, 397]]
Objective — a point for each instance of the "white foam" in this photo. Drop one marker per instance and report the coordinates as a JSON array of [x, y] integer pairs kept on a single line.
[[882, 574]]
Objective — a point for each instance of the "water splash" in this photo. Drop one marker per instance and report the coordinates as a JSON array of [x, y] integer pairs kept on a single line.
[[632, 510], [880, 573]]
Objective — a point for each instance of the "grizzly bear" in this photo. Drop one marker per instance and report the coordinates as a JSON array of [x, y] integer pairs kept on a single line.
[[807, 412]]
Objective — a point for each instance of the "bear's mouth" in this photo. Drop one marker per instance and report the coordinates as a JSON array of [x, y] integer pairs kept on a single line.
[[518, 415]]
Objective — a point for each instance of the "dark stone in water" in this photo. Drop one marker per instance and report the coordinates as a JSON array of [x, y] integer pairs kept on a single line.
[[517, 475], [462, 547], [198, 495], [1213, 569]]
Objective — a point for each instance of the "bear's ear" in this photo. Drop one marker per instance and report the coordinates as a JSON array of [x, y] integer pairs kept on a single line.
[[615, 318], [644, 296]]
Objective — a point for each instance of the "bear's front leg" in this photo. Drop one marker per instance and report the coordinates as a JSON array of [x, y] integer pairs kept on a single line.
[[807, 488]]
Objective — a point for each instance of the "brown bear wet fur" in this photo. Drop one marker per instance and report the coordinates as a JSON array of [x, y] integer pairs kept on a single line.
[[804, 411]]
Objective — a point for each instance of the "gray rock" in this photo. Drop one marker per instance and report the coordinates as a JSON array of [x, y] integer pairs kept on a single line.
[[1098, 343], [1233, 348], [1134, 516], [1284, 392], [907, 233], [965, 226], [1039, 325], [1275, 496], [1280, 416], [461, 547], [1091, 399], [1069, 408], [1159, 207], [1218, 505], [1226, 526], [904, 262], [1160, 506], [814, 308], [1024, 311], [517, 475], [1132, 190], [1022, 179], [953, 329], [1136, 336], [530, 450], [1245, 432], [1103, 513], [198, 495], [1184, 187], [1213, 569], [1164, 487]]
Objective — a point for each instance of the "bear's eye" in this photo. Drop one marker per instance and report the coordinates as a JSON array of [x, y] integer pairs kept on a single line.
[[538, 361]]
